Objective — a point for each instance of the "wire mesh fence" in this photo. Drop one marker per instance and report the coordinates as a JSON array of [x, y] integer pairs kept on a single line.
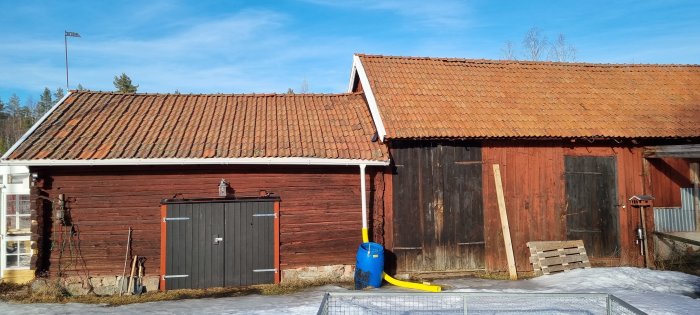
[[472, 303]]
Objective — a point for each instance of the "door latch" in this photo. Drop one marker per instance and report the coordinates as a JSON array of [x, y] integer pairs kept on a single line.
[[218, 239]]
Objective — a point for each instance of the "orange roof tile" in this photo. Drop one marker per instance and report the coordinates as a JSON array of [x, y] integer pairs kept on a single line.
[[462, 98], [99, 125]]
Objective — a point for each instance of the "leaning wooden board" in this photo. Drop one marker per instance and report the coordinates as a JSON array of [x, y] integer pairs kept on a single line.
[[554, 256]]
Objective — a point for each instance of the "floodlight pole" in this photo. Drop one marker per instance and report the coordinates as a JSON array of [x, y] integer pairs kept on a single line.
[[66, 34]]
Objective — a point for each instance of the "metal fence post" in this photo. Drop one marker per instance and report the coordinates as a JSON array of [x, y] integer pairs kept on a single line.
[[464, 303]]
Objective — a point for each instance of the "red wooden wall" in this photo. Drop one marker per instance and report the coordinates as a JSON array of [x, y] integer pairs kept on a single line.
[[533, 180], [668, 175], [320, 209]]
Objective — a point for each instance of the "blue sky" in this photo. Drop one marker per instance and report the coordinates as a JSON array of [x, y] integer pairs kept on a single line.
[[269, 46]]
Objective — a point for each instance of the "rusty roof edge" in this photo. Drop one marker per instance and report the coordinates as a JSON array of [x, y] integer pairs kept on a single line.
[[201, 161], [527, 62], [369, 96], [34, 127], [225, 94], [551, 137]]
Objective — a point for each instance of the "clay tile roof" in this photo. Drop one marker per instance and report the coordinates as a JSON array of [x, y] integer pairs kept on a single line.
[[99, 125], [462, 98]]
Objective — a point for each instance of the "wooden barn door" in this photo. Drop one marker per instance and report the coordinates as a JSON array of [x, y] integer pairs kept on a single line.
[[438, 207], [591, 196], [219, 243]]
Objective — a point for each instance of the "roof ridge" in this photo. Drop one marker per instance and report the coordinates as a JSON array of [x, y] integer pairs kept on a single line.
[[529, 62], [221, 94]]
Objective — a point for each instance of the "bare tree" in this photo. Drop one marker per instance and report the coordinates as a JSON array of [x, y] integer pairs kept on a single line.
[[508, 51], [536, 47], [304, 87], [535, 44], [561, 50]]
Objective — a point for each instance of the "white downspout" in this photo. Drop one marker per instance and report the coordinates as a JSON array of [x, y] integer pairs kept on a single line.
[[363, 193]]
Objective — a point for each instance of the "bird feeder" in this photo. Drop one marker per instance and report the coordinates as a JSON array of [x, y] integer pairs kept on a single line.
[[641, 201]]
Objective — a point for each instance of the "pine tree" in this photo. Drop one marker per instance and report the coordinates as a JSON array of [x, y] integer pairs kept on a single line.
[[44, 104], [123, 84], [59, 94], [81, 88], [3, 114]]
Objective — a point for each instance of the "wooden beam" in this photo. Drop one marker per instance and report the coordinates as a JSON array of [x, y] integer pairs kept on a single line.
[[504, 223], [673, 151], [695, 179], [678, 238]]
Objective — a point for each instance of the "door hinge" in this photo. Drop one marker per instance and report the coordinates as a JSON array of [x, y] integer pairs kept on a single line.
[[174, 276], [265, 270], [265, 215]]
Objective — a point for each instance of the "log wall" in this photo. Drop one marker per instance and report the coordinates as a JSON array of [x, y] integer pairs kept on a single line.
[[320, 209]]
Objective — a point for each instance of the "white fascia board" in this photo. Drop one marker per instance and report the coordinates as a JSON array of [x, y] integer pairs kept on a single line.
[[202, 161], [36, 125], [353, 73], [374, 110]]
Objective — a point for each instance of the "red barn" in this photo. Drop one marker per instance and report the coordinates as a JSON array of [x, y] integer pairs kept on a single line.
[[111, 161], [569, 139]]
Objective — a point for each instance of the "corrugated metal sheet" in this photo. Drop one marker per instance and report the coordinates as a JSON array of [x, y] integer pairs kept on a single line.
[[687, 198], [674, 219]]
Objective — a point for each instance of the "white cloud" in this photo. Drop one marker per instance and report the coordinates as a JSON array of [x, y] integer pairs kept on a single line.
[[443, 14], [250, 51]]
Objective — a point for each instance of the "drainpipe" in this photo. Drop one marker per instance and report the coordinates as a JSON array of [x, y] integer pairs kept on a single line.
[[363, 193]]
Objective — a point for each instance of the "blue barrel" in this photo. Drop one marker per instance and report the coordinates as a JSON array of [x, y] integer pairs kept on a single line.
[[370, 265]]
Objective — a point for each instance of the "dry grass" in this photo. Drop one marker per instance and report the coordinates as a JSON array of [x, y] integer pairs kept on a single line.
[[296, 286], [681, 259], [502, 275], [54, 293], [12, 289]]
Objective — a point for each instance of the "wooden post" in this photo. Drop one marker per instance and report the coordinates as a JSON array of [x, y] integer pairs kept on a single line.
[[504, 222], [130, 287], [646, 189], [647, 257], [694, 178]]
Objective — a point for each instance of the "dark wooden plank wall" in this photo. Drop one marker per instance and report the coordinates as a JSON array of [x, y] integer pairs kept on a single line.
[[438, 222], [534, 188], [591, 203], [320, 208]]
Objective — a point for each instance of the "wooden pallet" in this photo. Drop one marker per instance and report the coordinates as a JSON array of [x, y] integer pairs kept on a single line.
[[554, 256]]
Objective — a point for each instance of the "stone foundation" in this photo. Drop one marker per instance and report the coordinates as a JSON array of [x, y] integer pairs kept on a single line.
[[109, 285], [101, 285], [338, 273]]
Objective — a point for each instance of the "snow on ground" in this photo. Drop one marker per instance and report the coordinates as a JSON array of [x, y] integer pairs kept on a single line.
[[655, 292]]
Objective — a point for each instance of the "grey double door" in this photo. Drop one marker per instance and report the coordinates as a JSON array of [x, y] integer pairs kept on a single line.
[[219, 243]]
